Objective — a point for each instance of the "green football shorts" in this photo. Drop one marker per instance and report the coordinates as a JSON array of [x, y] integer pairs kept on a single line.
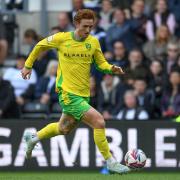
[[73, 105]]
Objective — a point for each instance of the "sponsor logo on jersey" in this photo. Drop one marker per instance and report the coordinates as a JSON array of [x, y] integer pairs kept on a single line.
[[77, 55], [88, 46]]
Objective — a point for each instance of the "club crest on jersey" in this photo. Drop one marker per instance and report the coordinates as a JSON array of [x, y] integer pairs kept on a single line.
[[88, 46]]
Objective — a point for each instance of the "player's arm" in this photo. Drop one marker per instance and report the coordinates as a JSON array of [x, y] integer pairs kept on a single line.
[[102, 65], [45, 44]]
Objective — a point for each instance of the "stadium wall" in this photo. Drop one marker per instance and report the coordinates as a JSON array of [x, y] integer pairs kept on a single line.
[[158, 139]]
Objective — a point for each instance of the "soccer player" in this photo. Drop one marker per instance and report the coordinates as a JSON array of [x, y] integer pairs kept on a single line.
[[77, 51]]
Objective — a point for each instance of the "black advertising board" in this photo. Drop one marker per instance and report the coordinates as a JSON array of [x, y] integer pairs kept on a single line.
[[159, 140]]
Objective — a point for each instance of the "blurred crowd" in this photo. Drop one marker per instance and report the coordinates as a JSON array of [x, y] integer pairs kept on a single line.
[[141, 36]]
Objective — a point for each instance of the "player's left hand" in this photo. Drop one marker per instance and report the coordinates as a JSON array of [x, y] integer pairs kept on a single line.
[[26, 73], [117, 70]]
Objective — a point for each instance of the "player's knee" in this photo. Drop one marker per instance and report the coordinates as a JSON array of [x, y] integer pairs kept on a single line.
[[100, 122], [64, 130]]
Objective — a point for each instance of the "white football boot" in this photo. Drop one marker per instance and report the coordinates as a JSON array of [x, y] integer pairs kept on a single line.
[[114, 167], [31, 140]]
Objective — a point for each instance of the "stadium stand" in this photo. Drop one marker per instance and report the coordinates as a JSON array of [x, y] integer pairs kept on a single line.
[[141, 36]]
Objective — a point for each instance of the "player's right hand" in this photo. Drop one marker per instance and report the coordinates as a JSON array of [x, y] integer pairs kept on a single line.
[[26, 73]]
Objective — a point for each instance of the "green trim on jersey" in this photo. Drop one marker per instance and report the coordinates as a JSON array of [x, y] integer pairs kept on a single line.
[[103, 71], [73, 37], [28, 67], [73, 105], [60, 80]]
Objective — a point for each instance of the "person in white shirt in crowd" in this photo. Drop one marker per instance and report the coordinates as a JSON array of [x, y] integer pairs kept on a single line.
[[22, 89], [162, 16], [132, 111]]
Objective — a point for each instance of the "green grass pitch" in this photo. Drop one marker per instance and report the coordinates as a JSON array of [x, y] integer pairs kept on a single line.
[[88, 176]]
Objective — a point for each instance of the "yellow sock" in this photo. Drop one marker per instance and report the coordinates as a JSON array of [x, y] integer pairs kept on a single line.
[[102, 143], [49, 131]]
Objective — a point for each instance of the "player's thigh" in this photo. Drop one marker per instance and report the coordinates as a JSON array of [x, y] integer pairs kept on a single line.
[[94, 119], [67, 123]]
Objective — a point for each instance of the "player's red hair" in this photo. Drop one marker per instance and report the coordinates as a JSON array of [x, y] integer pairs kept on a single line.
[[84, 14]]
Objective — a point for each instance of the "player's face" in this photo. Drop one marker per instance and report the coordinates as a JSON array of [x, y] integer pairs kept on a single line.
[[84, 27]]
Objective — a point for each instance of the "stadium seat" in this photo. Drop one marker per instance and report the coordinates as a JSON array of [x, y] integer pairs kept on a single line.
[[55, 112], [56, 108], [35, 110]]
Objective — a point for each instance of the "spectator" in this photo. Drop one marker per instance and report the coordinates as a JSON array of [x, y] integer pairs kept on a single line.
[[132, 111], [54, 30], [145, 96], [157, 48], [106, 15], [174, 6], [99, 33], [124, 4], [171, 96], [120, 30], [23, 89], [120, 55], [77, 5], [162, 16], [3, 42], [170, 61], [31, 38], [157, 77], [108, 95], [64, 23], [149, 7], [45, 88], [8, 106], [137, 64], [138, 21], [125, 85], [157, 82]]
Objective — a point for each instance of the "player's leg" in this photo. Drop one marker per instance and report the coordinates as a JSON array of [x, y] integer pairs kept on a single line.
[[65, 125], [95, 120]]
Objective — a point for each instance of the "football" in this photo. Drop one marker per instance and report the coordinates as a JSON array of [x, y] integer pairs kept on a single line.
[[135, 158]]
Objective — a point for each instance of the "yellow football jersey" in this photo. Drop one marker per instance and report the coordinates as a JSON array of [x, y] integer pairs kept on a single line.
[[75, 59]]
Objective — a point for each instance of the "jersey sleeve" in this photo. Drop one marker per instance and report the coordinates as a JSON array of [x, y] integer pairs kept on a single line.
[[100, 62], [50, 42]]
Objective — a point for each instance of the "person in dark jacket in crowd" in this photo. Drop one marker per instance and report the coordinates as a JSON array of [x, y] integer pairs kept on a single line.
[[120, 30], [170, 104], [170, 61], [8, 106], [45, 88], [145, 96], [157, 82], [108, 95], [120, 55]]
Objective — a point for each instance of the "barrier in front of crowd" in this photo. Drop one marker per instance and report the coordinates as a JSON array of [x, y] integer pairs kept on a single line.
[[159, 140]]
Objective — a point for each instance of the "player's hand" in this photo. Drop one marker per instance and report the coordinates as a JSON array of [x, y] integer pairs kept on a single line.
[[26, 73], [117, 70]]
